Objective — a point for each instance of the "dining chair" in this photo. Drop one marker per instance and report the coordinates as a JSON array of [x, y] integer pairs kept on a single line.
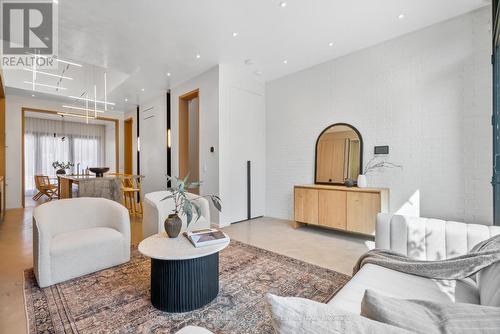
[[44, 187]]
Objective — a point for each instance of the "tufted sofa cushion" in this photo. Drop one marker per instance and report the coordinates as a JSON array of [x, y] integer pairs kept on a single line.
[[429, 239]]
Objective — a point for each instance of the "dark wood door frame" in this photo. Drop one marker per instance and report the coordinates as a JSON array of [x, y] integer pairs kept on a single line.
[[128, 151]]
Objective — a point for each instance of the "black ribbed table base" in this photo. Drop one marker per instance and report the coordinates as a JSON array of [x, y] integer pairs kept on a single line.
[[184, 285]]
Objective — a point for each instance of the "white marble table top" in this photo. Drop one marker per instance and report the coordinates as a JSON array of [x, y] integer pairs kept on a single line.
[[161, 247]]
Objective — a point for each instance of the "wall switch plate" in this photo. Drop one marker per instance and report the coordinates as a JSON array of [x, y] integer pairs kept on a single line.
[[381, 150]]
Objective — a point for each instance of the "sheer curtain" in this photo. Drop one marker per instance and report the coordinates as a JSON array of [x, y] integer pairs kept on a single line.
[[44, 144]]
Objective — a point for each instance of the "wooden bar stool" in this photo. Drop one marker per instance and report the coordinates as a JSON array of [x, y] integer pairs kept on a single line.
[[131, 185]]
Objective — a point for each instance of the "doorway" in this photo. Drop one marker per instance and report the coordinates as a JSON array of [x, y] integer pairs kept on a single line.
[[189, 137], [45, 137], [127, 146]]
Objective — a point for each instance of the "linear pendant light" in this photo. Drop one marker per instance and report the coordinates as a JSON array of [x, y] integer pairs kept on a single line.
[[105, 92], [87, 107], [95, 101], [75, 115], [91, 100], [43, 85], [46, 73], [80, 108]]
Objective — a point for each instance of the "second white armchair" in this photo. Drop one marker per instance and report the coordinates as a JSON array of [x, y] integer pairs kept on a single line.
[[156, 211]]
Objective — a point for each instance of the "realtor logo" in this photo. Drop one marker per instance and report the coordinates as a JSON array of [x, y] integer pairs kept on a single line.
[[28, 28]]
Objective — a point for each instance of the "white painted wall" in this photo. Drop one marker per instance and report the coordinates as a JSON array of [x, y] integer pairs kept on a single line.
[[153, 144], [427, 95], [242, 137], [13, 134], [208, 86]]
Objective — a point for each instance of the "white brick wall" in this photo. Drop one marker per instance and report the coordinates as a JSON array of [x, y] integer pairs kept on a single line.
[[426, 94]]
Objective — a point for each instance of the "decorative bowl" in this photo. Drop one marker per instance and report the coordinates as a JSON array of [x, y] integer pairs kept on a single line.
[[99, 171]]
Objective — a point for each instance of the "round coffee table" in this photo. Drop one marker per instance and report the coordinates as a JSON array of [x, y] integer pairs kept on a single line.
[[183, 277]]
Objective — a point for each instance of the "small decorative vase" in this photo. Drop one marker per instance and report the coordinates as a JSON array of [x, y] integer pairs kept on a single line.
[[60, 171], [173, 225], [362, 183], [349, 183]]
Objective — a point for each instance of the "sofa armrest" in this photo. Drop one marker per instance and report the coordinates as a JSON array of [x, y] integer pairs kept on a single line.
[[118, 218], [429, 239], [41, 254], [383, 231]]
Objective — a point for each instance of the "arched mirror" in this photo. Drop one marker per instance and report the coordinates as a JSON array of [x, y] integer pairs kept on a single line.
[[339, 154]]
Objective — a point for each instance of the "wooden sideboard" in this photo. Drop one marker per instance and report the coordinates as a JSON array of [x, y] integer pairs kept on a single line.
[[338, 207]]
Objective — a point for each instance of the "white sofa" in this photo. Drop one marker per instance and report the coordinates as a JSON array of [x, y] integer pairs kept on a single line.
[[156, 211], [423, 239], [78, 236]]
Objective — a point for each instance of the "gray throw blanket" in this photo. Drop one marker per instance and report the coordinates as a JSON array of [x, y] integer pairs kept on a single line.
[[480, 256]]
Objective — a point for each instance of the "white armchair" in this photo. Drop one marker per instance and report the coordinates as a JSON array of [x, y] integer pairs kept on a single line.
[[156, 211], [78, 236]]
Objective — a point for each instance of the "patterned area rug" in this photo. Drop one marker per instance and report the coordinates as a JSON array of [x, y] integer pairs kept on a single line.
[[116, 300]]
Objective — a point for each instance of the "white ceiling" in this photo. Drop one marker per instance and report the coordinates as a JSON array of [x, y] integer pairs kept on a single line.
[[138, 42]]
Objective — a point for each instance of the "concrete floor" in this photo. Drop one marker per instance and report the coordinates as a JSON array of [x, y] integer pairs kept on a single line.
[[321, 247]]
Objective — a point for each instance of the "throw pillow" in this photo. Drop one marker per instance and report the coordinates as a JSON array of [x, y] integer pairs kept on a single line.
[[291, 315], [428, 317]]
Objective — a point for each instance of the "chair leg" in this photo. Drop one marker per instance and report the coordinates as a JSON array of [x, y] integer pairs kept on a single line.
[[132, 198], [140, 202], [37, 196], [126, 199]]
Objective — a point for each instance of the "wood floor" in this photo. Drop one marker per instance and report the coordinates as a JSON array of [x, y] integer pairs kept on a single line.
[[324, 248]]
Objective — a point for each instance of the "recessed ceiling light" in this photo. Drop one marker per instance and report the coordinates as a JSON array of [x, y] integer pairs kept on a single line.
[[142, 89], [198, 56], [126, 100], [32, 95], [169, 74], [282, 4], [401, 16], [330, 44], [285, 61], [235, 34]]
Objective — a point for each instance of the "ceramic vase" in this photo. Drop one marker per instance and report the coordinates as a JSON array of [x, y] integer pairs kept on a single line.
[[362, 183], [173, 225], [60, 171]]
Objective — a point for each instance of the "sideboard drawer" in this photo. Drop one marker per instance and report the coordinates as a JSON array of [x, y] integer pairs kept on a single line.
[[362, 209], [306, 206], [332, 209]]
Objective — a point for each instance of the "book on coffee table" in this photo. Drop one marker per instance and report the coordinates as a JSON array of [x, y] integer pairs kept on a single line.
[[206, 237]]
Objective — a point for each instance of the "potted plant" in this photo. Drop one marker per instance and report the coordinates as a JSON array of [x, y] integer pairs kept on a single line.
[[184, 205], [371, 166], [61, 166]]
